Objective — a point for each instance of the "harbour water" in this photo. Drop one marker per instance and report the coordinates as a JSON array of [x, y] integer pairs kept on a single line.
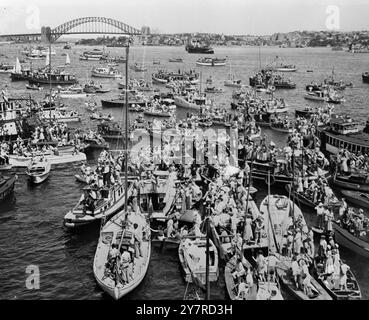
[[31, 230]]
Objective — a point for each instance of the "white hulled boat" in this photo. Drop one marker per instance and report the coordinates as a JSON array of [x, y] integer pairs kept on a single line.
[[102, 72], [54, 158], [38, 170], [111, 274]]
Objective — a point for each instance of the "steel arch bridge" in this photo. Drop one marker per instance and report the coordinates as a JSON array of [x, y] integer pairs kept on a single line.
[[92, 25], [85, 25]]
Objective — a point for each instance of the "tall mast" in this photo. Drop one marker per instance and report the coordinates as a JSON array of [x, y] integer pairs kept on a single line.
[[126, 132], [50, 76], [248, 196]]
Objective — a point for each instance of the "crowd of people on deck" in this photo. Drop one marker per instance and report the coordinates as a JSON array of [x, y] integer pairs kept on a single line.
[[346, 162], [353, 220], [99, 180], [123, 254], [316, 190], [329, 264]]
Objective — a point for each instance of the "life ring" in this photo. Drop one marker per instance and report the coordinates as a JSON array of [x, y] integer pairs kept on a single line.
[[251, 110], [272, 88]]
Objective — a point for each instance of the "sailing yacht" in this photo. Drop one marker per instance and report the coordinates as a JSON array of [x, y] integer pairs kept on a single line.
[[283, 215], [265, 289], [123, 253], [117, 277]]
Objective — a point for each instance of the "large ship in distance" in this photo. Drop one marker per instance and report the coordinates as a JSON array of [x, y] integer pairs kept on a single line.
[[194, 46]]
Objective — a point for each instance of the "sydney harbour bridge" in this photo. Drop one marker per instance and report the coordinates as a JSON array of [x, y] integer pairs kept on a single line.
[[85, 25]]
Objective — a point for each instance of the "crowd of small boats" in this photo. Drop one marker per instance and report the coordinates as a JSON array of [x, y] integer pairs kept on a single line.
[[205, 210]]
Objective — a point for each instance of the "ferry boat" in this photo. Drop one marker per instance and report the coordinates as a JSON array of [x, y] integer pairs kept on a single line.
[[94, 55], [89, 58], [211, 62], [6, 68], [324, 96], [38, 170], [111, 201], [56, 77], [344, 132], [105, 72], [163, 77], [365, 77]]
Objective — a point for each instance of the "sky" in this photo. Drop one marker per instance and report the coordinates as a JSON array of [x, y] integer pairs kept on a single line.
[[256, 17]]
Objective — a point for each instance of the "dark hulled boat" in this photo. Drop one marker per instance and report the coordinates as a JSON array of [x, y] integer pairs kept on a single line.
[[347, 239], [6, 186], [56, 78], [333, 288], [197, 47]]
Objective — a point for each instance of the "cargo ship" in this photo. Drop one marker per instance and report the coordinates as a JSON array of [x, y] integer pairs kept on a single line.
[[197, 47]]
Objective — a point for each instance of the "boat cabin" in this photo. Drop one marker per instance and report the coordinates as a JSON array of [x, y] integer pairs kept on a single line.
[[344, 125]]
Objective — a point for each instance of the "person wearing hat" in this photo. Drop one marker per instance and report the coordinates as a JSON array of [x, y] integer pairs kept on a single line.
[[259, 226]]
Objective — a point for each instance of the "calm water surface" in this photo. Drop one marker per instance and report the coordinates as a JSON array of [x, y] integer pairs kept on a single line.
[[31, 230]]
